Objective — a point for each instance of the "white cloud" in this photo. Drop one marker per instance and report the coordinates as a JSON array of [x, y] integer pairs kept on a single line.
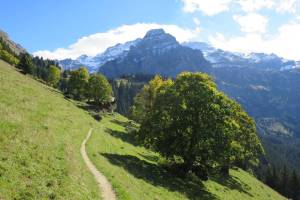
[[255, 5], [97, 43], [285, 42], [252, 23], [208, 7], [286, 6]]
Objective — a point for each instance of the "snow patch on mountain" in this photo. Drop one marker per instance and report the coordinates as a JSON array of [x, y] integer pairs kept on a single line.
[[94, 63], [221, 58]]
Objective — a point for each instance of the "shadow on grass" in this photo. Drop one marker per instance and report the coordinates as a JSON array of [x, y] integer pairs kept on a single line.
[[121, 123], [91, 108], [125, 137], [158, 176], [232, 183]]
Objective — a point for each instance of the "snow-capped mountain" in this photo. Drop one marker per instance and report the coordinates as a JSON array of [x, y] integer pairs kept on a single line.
[[94, 63], [159, 42], [221, 58], [157, 53]]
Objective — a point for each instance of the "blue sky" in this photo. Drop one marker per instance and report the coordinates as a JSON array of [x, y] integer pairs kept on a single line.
[[68, 28]]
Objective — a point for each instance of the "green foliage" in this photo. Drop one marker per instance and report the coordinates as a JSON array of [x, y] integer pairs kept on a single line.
[[285, 182], [78, 83], [126, 88], [26, 64], [42, 67], [192, 120], [137, 173], [53, 75], [144, 100], [4, 46], [294, 187], [6, 56], [99, 89]]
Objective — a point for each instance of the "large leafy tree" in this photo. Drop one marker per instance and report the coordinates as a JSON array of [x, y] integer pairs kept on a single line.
[[78, 82], [99, 89], [191, 120], [53, 75]]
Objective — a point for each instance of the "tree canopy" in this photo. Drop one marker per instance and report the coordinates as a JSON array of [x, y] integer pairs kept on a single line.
[[78, 82], [53, 75], [190, 120], [26, 64], [99, 89]]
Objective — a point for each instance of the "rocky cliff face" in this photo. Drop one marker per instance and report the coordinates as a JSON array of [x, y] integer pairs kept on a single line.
[[157, 53]]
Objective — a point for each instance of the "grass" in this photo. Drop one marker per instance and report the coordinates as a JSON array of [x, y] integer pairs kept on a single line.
[[40, 137], [135, 173]]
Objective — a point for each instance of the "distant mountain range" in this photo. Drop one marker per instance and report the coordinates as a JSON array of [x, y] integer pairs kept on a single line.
[[221, 58], [94, 63], [216, 57]]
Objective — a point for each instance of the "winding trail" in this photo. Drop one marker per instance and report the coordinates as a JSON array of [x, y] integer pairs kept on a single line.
[[105, 187]]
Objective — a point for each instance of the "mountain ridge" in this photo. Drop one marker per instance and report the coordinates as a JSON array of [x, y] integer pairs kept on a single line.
[[217, 57]]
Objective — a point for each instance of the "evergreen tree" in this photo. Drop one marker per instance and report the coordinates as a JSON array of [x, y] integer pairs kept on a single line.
[[283, 182], [26, 64], [294, 186], [272, 178]]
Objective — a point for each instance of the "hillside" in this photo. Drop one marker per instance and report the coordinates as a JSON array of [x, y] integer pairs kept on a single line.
[[40, 138], [41, 133], [16, 48]]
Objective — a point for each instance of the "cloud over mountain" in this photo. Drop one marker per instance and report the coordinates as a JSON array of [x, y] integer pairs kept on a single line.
[[94, 44]]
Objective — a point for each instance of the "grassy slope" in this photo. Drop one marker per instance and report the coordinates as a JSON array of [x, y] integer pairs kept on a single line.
[[40, 137], [135, 174]]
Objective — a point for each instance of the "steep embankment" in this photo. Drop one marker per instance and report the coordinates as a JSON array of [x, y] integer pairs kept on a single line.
[[40, 138]]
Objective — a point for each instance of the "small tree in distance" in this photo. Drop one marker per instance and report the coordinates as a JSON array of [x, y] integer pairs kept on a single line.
[[99, 89], [53, 75], [77, 83]]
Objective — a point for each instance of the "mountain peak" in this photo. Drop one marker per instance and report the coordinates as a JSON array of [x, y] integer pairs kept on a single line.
[[155, 32], [159, 35], [158, 40]]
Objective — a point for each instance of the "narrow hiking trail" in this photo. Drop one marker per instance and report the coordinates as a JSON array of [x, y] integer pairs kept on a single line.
[[105, 187]]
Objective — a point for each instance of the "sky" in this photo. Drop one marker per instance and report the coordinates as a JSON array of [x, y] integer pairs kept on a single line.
[[59, 29]]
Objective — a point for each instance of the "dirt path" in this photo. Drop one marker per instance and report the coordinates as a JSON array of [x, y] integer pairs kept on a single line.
[[105, 187]]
